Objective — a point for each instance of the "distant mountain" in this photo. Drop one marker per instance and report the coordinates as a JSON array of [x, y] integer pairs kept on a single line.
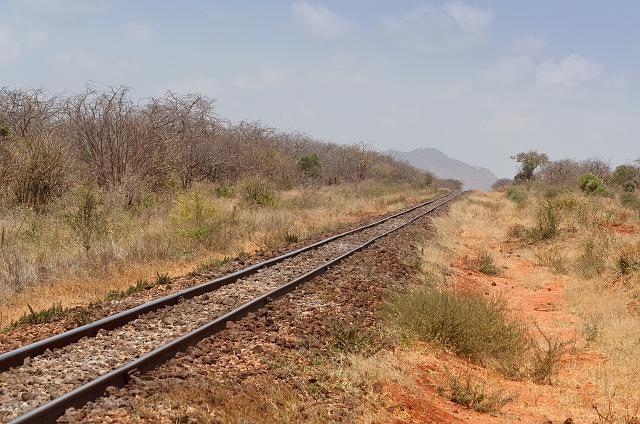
[[442, 166]]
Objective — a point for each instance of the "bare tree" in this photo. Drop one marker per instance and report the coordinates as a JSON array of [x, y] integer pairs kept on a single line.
[[115, 138], [28, 112]]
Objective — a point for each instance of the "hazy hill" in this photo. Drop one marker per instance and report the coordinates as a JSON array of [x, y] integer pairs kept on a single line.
[[443, 166]]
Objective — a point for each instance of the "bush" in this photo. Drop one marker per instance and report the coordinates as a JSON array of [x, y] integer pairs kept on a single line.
[[426, 180], [630, 200], [257, 192], [310, 166], [516, 195], [626, 177], [474, 396], [547, 222], [88, 222], [37, 171], [471, 326], [485, 264], [194, 216], [593, 259], [591, 184]]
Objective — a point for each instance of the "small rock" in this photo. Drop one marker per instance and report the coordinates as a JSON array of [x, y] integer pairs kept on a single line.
[[27, 396], [493, 283]]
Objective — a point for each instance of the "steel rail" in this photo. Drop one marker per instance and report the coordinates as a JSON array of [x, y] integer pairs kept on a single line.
[[119, 377], [16, 357]]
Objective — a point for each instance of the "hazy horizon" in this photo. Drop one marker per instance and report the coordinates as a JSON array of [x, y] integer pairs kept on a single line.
[[478, 80]]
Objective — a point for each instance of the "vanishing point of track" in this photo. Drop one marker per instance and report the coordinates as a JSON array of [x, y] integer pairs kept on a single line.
[[40, 381]]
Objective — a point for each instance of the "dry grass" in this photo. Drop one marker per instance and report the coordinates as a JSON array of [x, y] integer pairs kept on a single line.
[[42, 261]]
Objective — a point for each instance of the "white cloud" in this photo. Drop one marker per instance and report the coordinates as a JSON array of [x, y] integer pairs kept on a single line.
[[570, 71], [78, 59], [473, 20], [9, 46], [453, 24], [319, 21], [507, 122], [139, 32]]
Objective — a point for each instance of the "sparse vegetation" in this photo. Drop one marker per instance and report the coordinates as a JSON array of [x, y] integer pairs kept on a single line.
[[547, 222], [485, 264], [474, 396], [96, 183], [139, 286], [471, 326], [38, 317], [516, 194]]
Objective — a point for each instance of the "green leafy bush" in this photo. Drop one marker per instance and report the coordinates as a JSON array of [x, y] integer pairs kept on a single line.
[[310, 165], [591, 184]]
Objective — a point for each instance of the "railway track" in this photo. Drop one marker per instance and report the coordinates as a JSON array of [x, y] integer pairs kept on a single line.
[[40, 381]]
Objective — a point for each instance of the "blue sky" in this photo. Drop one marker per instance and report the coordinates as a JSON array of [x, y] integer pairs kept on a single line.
[[480, 80]]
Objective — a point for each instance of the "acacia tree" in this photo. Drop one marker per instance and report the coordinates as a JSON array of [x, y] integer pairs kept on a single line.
[[529, 162]]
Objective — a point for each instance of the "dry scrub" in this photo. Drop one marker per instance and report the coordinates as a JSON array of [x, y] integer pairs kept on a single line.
[[88, 250]]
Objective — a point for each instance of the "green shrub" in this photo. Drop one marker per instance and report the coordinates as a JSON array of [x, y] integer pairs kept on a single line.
[[162, 279], [591, 184], [547, 222], [626, 177], [516, 195], [474, 396], [471, 326], [194, 216], [257, 192], [485, 264], [310, 166], [39, 317]]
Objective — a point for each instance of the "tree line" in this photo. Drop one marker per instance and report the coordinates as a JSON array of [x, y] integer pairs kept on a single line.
[[105, 137]]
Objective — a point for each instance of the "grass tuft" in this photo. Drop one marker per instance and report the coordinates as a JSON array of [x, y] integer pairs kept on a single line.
[[474, 396], [485, 264]]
